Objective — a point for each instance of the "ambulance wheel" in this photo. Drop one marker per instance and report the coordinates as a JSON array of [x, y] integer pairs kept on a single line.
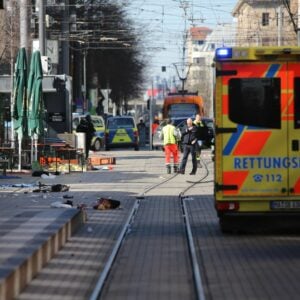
[[97, 145]]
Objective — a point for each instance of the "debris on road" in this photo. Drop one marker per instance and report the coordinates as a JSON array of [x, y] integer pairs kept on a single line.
[[104, 203]]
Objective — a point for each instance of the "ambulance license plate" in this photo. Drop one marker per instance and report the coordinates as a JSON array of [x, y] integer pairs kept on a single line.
[[285, 204]]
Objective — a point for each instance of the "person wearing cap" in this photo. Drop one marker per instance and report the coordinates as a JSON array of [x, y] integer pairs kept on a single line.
[[170, 136]]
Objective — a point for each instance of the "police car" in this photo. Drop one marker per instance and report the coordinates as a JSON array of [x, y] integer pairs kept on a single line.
[[121, 131], [98, 122]]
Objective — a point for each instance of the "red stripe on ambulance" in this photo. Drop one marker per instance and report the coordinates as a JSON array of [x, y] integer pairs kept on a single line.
[[234, 178], [251, 143]]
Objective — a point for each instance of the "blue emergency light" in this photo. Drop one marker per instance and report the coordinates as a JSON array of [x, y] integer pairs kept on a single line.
[[224, 53]]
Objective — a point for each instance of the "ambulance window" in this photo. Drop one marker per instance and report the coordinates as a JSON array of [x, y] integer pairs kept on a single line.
[[297, 102], [255, 101]]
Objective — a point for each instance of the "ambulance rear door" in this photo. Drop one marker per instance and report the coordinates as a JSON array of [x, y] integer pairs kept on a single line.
[[253, 130]]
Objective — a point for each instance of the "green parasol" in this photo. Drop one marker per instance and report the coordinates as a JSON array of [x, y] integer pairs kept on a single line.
[[19, 98], [35, 100]]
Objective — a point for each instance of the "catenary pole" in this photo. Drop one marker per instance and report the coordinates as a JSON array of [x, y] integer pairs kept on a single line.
[[151, 115], [41, 18], [23, 44], [65, 43], [24, 24], [10, 12], [85, 106]]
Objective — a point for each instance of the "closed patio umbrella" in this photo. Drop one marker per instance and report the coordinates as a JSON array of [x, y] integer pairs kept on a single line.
[[19, 98], [35, 101]]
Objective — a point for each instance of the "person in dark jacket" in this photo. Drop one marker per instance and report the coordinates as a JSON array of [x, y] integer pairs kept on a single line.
[[202, 132], [189, 140], [88, 128], [142, 132]]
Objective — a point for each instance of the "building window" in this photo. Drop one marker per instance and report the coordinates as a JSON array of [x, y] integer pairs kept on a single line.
[[265, 19], [198, 42], [198, 60], [278, 19]]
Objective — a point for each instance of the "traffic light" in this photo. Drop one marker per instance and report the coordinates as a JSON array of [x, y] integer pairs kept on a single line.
[[163, 69], [148, 104]]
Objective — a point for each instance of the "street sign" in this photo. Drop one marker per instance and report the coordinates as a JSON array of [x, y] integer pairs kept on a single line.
[[51, 49], [105, 103], [46, 64]]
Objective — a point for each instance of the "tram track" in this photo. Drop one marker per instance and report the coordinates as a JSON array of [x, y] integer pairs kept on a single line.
[[198, 281]]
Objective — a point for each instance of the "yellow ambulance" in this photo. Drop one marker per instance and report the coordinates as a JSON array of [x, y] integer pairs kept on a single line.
[[257, 132]]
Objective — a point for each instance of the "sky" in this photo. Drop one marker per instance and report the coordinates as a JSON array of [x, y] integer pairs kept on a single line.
[[162, 22]]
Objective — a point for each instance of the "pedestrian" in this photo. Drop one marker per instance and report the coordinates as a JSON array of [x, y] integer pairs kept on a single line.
[[142, 132], [189, 141], [202, 132], [86, 126], [155, 124], [170, 136], [154, 127]]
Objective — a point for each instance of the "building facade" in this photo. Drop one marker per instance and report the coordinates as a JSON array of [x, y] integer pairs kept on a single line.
[[195, 43], [266, 22], [201, 47]]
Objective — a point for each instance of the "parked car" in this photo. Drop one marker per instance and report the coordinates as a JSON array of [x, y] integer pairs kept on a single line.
[[180, 123], [99, 125], [121, 131]]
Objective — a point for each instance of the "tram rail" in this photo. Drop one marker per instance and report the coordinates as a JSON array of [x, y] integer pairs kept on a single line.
[[198, 282]]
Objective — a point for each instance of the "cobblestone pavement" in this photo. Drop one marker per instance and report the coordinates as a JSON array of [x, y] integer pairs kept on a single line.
[[153, 261]]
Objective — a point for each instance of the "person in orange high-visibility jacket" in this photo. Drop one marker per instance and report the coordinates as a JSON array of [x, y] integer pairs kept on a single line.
[[170, 136]]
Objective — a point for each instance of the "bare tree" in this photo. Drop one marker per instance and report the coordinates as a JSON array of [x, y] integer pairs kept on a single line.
[[114, 51]]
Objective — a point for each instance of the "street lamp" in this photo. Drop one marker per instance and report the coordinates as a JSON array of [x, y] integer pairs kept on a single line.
[[10, 15], [85, 104]]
